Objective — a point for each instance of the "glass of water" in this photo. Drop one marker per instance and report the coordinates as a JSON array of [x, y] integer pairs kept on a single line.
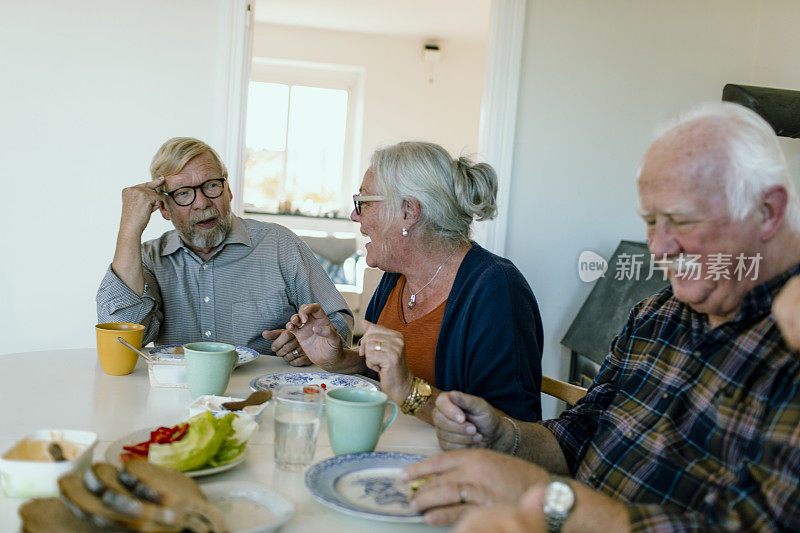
[[297, 415]]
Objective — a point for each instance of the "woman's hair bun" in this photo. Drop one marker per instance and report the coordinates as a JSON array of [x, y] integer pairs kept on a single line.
[[475, 188]]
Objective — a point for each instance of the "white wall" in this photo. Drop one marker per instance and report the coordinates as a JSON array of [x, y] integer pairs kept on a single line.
[[90, 89], [596, 80], [88, 92], [399, 103], [776, 59]]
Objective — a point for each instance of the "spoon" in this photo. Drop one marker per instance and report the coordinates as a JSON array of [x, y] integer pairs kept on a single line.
[[129, 345], [257, 398]]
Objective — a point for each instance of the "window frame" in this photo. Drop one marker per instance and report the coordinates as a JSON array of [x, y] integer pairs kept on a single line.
[[324, 76]]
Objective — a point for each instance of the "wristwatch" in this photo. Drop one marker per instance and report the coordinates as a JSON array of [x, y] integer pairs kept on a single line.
[[559, 499], [419, 396]]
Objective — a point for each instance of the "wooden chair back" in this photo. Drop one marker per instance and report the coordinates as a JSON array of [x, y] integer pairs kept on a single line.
[[566, 392]]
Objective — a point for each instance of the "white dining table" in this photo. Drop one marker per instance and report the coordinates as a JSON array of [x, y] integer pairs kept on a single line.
[[67, 389]]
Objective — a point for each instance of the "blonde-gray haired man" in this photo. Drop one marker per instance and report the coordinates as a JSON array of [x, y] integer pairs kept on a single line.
[[216, 276]]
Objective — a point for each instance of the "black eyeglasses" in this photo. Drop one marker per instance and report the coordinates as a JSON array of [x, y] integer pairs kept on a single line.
[[359, 199], [184, 196]]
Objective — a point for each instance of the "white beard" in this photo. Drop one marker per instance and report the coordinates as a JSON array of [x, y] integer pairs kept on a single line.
[[206, 238]]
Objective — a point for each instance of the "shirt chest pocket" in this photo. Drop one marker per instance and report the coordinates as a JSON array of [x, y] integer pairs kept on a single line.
[[251, 317], [737, 428]]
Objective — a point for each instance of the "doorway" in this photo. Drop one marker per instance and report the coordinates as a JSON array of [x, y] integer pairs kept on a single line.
[[502, 50]]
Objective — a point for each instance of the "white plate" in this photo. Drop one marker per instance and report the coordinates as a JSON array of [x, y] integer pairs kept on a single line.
[[329, 379], [115, 449], [245, 354], [249, 507], [365, 484]]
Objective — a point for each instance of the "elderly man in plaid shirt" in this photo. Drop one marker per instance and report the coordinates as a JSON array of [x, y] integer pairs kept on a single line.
[[693, 422]]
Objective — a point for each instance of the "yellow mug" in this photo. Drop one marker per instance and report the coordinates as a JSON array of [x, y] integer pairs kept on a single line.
[[116, 359]]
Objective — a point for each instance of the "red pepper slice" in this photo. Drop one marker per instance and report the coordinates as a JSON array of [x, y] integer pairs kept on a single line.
[[162, 435], [180, 432], [125, 457], [140, 449]]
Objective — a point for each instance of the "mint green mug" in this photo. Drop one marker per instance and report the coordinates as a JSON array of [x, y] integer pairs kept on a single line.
[[356, 418], [209, 366]]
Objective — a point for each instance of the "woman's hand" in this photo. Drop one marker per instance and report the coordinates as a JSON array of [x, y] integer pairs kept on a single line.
[[384, 350], [317, 337]]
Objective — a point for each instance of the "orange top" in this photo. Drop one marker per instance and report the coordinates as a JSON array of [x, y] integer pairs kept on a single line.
[[420, 335]]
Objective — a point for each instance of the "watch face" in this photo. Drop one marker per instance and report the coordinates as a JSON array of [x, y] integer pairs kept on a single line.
[[559, 497], [423, 388]]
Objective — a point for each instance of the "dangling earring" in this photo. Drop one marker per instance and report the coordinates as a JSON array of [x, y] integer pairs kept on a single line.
[[405, 232]]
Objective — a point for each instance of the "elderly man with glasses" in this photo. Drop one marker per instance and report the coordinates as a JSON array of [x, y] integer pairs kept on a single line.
[[216, 276]]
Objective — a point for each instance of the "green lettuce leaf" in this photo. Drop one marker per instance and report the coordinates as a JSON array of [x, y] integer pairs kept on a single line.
[[196, 449], [233, 446]]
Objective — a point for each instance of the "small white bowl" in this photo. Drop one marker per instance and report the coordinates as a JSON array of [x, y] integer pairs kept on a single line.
[[214, 405], [30, 479], [167, 371], [249, 507]]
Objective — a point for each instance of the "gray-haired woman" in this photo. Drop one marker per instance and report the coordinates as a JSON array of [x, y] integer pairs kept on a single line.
[[447, 314]]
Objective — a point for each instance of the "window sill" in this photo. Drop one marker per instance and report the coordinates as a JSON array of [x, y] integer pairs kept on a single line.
[[299, 215]]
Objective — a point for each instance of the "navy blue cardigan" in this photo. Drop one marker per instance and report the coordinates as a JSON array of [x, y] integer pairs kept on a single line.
[[490, 341]]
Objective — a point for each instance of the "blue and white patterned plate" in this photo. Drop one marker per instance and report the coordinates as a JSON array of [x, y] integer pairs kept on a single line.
[[329, 379], [245, 354], [365, 484]]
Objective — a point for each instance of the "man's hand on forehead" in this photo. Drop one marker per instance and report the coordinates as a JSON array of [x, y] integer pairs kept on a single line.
[[138, 203]]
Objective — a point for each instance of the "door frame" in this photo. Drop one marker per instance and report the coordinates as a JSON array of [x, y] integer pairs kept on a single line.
[[237, 20], [499, 112], [498, 107]]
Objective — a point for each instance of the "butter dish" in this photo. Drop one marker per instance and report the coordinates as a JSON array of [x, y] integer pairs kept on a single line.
[[167, 370], [214, 405], [28, 470]]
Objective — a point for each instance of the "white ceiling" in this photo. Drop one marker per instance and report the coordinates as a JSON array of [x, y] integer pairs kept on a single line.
[[463, 20]]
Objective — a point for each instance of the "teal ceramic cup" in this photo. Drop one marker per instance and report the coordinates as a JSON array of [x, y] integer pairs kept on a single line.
[[209, 366], [356, 418]]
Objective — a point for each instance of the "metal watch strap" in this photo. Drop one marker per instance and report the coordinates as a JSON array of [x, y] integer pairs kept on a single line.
[[414, 400], [412, 394], [554, 523]]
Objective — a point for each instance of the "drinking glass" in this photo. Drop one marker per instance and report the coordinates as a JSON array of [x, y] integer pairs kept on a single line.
[[297, 414]]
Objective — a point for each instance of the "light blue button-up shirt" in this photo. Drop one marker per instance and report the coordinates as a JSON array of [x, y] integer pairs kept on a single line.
[[255, 281]]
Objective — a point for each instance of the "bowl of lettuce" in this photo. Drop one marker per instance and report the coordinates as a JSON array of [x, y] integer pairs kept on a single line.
[[200, 446]]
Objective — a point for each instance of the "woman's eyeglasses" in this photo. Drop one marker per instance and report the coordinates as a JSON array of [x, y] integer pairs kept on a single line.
[[359, 199]]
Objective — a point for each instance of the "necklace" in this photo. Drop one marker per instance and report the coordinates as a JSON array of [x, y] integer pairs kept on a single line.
[[413, 299]]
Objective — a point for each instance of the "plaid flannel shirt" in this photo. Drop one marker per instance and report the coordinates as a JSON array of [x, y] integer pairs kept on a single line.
[[695, 429]]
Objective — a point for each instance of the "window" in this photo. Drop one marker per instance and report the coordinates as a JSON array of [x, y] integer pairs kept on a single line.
[[299, 143]]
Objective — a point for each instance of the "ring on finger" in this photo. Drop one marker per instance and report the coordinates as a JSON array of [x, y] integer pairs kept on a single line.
[[295, 352], [377, 346], [301, 325], [462, 494]]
